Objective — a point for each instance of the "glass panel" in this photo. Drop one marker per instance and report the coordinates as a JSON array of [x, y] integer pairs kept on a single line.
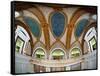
[[40, 53], [58, 54], [93, 43], [19, 44], [75, 53]]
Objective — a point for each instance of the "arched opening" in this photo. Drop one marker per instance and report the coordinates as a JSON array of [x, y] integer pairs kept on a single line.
[[90, 37], [23, 37], [58, 54], [93, 43], [75, 52], [19, 44], [23, 47], [78, 13], [39, 53]]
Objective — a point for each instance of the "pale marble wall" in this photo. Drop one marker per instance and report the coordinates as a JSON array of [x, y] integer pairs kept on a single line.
[[22, 64]]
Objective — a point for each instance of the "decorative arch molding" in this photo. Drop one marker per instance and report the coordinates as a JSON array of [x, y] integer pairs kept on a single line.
[[38, 13], [39, 44], [20, 23], [71, 25], [57, 45], [77, 49], [35, 50], [74, 18], [21, 30], [53, 50], [93, 24]]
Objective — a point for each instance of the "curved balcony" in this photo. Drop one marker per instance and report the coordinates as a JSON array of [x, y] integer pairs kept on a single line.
[[56, 63], [65, 62]]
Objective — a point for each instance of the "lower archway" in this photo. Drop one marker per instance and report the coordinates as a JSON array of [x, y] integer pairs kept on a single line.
[[90, 38], [39, 55], [58, 54], [74, 54]]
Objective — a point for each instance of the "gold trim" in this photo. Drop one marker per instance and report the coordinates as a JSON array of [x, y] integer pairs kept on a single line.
[[62, 44], [42, 19], [40, 42], [71, 25]]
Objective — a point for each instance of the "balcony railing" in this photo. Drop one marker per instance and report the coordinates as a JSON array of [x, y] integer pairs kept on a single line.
[[61, 63], [56, 63]]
